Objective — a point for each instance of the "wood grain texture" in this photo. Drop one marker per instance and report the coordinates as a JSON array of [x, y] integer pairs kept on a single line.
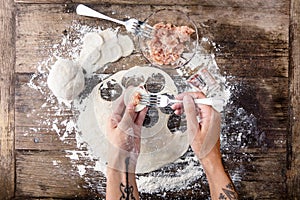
[[246, 31], [218, 3], [49, 174], [252, 52], [7, 60], [294, 134]]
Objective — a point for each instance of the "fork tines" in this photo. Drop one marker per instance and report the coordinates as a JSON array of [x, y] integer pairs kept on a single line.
[[144, 29], [149, 99]]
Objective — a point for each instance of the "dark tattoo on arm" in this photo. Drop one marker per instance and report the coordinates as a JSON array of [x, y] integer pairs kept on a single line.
[[126, 190], [228, 193]]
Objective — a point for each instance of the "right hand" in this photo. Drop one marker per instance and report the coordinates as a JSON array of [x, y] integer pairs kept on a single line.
[[204, 135]]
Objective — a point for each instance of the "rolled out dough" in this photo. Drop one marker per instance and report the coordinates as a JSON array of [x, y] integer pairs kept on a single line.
[[158, 145]]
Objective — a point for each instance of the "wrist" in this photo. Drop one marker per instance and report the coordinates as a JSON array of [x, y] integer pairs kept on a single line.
[[211, 166], [212, 163], [121, 160], [122, 163]]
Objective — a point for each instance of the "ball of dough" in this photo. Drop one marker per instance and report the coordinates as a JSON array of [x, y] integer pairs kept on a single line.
[[66, 79]]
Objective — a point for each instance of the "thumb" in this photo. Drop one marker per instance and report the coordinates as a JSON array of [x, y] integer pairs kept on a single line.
[[191, 114], [127, 122]]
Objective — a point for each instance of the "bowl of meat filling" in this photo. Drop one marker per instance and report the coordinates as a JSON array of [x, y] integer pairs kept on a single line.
[[173, 40]]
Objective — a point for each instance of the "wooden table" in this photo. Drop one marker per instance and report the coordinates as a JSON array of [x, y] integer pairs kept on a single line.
[[259, 53]]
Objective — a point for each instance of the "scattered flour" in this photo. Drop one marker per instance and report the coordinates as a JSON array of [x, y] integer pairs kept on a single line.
[[234, 131]]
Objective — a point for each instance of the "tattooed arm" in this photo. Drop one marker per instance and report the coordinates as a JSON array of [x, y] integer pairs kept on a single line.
[[123, 134], [207, 151], [121, 184], [220, 184]]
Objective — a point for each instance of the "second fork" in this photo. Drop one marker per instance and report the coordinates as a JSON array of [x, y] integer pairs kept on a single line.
[[132, 25]]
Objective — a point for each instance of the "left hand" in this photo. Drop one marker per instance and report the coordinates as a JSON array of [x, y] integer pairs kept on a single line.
[[124, 134]]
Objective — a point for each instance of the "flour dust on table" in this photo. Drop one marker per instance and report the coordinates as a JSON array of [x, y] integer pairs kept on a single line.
[[86, 45]]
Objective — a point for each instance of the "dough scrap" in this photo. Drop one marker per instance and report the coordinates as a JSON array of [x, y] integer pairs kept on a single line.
[[66, 79], [126, 44]]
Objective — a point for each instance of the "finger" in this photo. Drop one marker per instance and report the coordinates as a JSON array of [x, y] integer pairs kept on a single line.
[[119, 106], [129, 113], [178, 110], [114, 121], [177, 106], [191, 113], [141, 116]]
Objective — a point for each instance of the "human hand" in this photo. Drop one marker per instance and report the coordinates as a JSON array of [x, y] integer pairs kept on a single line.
[[123, 133], [204, 135]]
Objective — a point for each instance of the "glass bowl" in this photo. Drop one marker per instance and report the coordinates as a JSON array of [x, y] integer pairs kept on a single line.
[[174, 40]]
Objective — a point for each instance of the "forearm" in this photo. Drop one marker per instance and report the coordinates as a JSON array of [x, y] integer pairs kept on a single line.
[[121, 185], [221, 186]]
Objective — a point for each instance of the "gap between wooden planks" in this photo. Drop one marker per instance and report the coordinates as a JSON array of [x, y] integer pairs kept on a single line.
[[7, 60], [293, 174]]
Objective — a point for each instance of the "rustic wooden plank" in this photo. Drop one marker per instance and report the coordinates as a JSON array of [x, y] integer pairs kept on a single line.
[[254, 66], [7, 60], [42, 174], [254, 186], [253, 49], [247, 36], [216, 3], [293, 180], [48, 140], [38, 166], [35, 115]]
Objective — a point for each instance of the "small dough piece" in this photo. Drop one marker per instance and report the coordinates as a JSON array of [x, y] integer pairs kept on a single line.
[[108, 35], [110, 52], [126, 44], [66, 79], [88, 59], [131, 93], [90, 52], [93, 40], [102, 48]]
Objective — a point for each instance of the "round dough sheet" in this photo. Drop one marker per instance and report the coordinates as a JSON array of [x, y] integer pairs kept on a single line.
[[159, 146]]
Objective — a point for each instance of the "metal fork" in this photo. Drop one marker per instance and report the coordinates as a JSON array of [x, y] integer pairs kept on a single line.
[[161, 100], [134, 26]]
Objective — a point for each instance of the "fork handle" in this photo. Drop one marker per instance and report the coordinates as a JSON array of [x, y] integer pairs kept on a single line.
[[209, 101], [205, 101], [88, 12]]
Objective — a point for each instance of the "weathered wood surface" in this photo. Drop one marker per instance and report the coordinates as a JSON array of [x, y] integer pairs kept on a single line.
[[253, 39], [229, 3], [7, 60], [294, 137], [211, 20]]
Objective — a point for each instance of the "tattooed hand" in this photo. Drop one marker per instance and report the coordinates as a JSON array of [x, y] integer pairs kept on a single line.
[[123, 132], [204, 139]]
